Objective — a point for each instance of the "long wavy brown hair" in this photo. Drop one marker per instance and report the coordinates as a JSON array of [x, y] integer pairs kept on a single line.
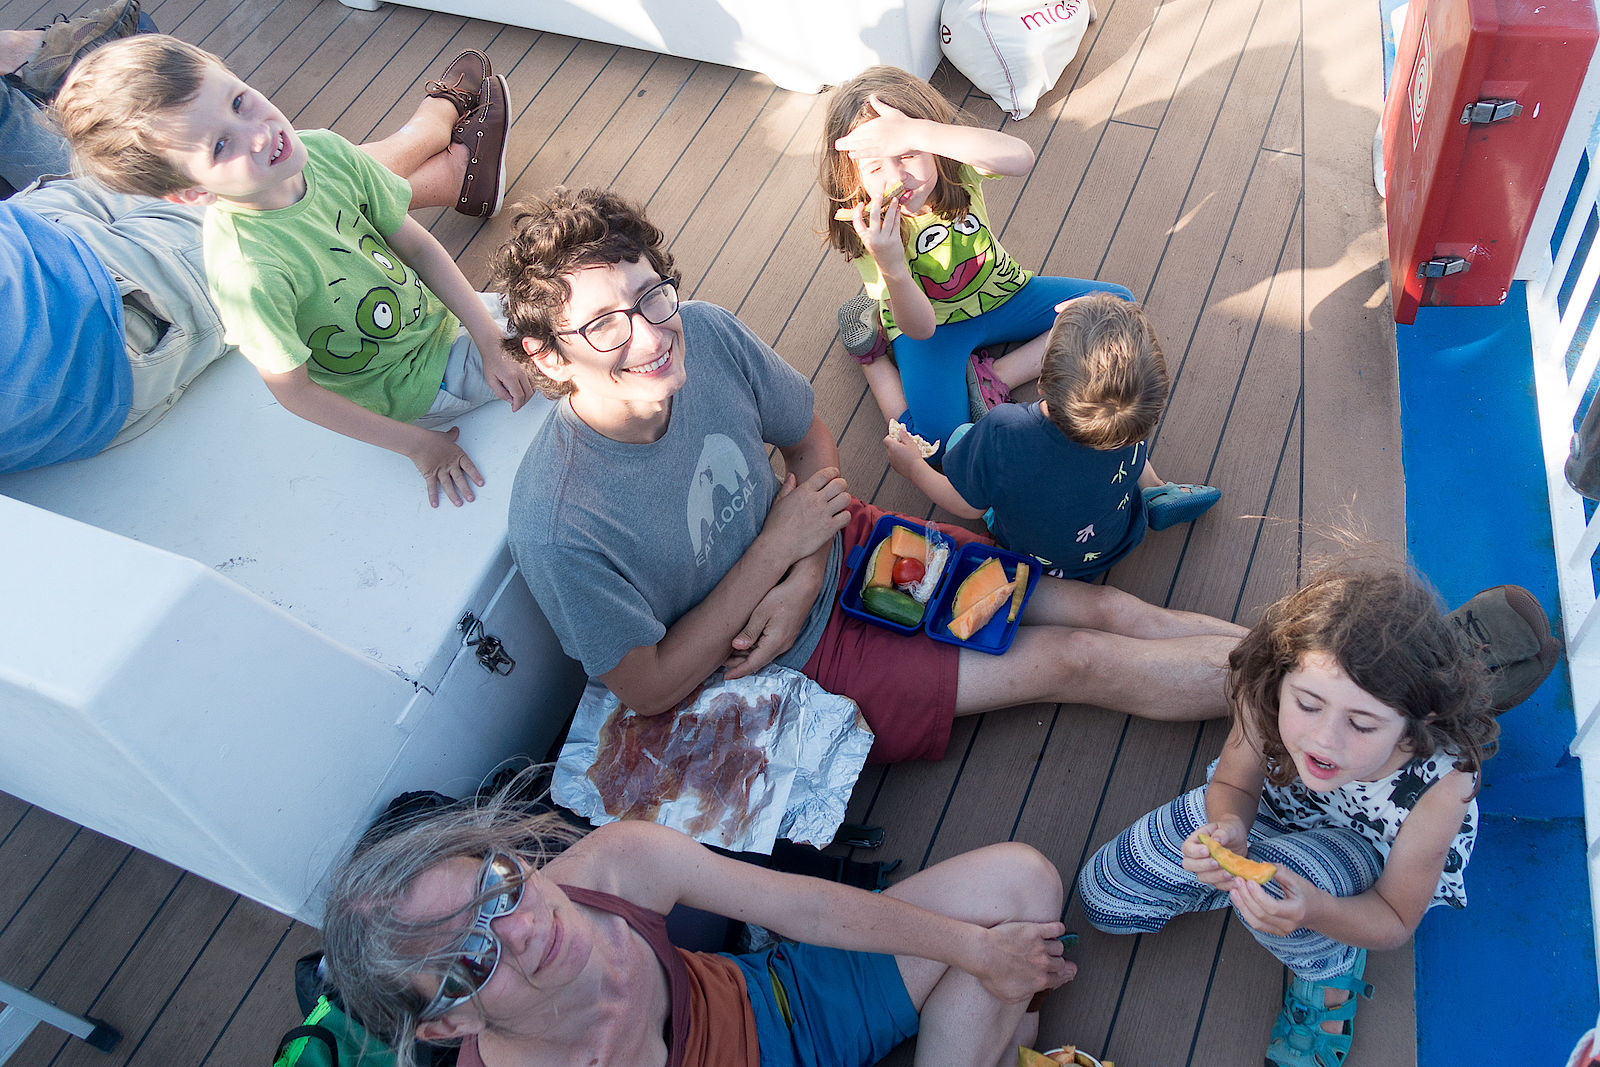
[[1387, 632], [848, 107]]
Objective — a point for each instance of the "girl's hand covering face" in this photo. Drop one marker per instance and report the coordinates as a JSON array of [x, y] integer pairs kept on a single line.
[[892, 133]]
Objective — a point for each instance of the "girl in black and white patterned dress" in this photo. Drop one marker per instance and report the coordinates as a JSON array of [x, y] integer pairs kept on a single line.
[[1360, 722]]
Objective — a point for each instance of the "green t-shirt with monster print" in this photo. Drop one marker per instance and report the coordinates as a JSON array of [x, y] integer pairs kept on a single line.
[[957, 263], [316, 281]]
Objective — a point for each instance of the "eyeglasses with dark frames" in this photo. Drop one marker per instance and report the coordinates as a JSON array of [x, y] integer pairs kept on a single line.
[[609, 332]]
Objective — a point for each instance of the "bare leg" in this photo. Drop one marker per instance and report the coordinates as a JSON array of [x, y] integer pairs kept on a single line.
[[1023, 363], [421, 152], [1083, 605], [962, 1024], [1175, 679], [1149, 479], [883, 378]]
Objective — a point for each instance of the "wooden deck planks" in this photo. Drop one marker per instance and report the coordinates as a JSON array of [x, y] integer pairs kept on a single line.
[[1175, 157]]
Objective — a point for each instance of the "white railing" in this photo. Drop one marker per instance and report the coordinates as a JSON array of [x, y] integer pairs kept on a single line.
[[1561, 300]]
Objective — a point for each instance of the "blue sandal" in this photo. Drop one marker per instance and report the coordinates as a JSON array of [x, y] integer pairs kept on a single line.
[[1298, 1039], [1169, 504]]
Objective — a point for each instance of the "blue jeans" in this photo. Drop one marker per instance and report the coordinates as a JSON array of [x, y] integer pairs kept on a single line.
[[933, 371], [29, 149]]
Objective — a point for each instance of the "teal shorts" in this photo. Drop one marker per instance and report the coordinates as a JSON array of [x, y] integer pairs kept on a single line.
[[825, 1007]]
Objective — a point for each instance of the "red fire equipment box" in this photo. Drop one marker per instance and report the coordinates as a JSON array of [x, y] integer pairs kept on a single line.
[[1477, 106]]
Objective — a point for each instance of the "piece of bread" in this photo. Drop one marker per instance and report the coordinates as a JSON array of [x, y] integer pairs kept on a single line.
[[900, 433]]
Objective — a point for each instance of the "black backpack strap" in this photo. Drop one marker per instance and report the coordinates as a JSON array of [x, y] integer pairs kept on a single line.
[[308, 984], [321, 1033]]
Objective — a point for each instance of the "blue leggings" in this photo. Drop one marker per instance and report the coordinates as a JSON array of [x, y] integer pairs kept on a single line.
[[934, 370], [1136, 881]]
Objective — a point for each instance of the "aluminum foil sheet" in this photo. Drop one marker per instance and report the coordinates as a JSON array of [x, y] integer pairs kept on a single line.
[[738, 764]]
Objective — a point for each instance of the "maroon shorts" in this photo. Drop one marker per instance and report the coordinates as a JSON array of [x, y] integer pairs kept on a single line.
[[905, 686]]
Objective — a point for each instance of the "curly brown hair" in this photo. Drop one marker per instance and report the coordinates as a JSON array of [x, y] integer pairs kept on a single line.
[[848, 107], [1388, 633], [553, 236], [111, 106], [1104, 379]]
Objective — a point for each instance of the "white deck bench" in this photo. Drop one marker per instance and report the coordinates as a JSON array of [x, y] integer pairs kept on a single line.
[[230, 641], [803, 46]]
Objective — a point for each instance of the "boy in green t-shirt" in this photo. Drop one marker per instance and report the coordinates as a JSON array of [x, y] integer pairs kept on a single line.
[[354, 315]]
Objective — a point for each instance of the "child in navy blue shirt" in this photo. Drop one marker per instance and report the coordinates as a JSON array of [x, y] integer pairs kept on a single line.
[[1068, 478]]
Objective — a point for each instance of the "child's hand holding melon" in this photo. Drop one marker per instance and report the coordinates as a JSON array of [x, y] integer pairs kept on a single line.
[[1230, 838]]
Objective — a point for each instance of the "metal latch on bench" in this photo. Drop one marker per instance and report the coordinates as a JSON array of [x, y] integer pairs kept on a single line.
[[1442, 267], [490, 652], [1487, 111]]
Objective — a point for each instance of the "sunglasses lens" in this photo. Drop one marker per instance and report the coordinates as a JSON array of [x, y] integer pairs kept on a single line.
[[472, 967], [500, 870]]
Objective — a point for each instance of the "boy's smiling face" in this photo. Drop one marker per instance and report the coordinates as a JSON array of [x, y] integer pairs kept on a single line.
[[236, 146]]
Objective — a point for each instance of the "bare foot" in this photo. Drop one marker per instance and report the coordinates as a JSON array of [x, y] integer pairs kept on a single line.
[[1332, 998]]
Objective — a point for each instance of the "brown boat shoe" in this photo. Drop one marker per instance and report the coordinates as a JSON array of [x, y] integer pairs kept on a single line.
[[1511, 633], [69, 40], [461, 82], [484, 132]]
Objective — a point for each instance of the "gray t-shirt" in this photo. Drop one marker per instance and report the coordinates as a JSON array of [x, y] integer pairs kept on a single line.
[[617, 541]]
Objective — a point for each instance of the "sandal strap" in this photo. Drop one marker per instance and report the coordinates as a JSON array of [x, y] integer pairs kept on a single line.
[[1300, 1046], [1303, 1012]]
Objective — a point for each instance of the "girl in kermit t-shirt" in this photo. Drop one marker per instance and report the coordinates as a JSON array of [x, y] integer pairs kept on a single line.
[[942, 285]]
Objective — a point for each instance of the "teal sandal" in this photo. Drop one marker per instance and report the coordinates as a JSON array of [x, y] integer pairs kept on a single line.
[[1298, 1039], [1169, 504]]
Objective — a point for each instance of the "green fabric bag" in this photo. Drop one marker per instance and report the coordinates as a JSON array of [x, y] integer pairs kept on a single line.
[[330, 1038]]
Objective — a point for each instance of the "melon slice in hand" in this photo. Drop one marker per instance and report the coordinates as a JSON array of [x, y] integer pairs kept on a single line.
[[1235, 864]]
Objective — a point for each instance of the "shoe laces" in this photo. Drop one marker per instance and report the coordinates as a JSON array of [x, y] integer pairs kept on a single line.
[[458, 96], [1468, 624]]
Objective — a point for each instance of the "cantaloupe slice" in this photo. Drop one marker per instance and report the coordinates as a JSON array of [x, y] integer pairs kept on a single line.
[[909, 544], [1235, 864], [880, 567], [974, 618], [845, 214], [1021, 590], [989, 576]]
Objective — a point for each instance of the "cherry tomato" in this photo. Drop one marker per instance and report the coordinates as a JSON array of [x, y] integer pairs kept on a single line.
[[907, 571]]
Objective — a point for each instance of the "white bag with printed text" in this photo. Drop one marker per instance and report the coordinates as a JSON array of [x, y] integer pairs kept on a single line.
[[1014, 50]]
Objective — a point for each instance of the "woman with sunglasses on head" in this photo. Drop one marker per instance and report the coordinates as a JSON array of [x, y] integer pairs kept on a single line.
[[648, 523], [507, 934]]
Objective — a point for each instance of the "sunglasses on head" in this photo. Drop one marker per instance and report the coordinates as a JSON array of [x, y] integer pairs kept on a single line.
[[475, 959]]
